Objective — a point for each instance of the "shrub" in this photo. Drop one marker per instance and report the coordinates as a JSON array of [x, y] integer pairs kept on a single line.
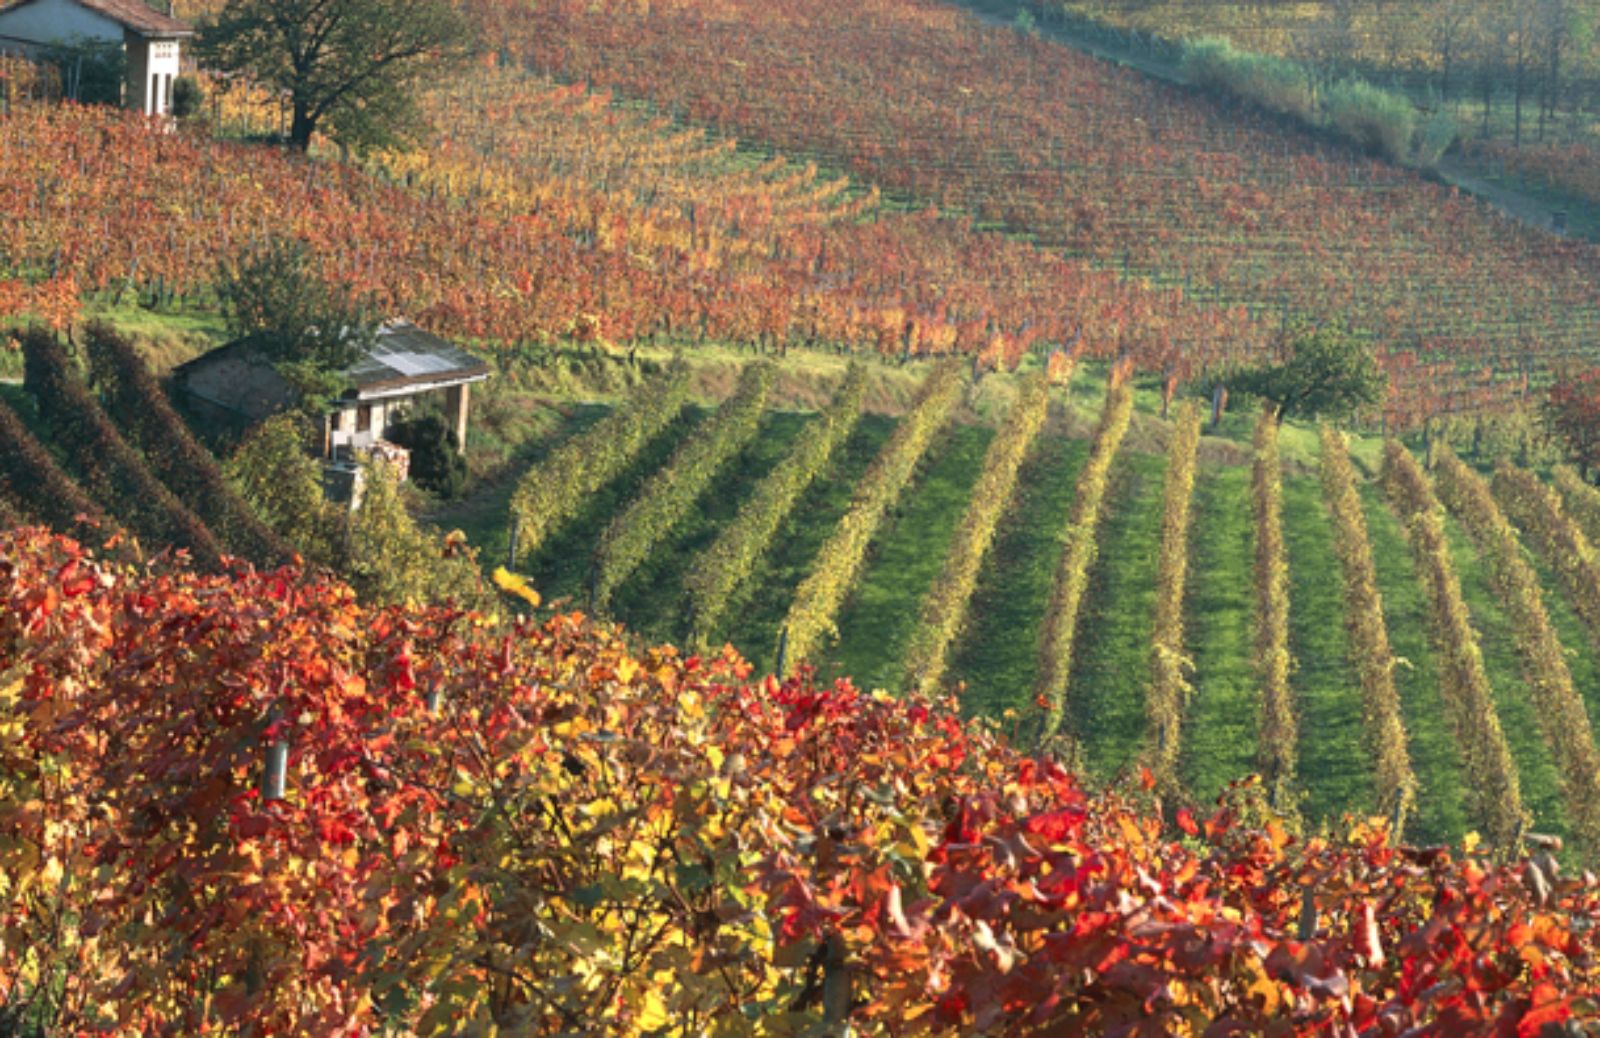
[[670, 495], [1494, 791], [551, 492], [394, 558], [141, 412], [187, 97], [1435, 137], [273, 472], [34, 483], [1279, 729], [837, 564], [111, 471], [1370, 653], [945, 608], [1562, 717], [1376, 120], [436, 461], [1272, 82], [1168, 693], [91, 72], [728, 562], [478, 813], [1080, 548]]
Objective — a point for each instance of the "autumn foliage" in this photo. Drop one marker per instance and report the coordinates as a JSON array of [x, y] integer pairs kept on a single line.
[[528, 824], [544, 213], [928, 101]]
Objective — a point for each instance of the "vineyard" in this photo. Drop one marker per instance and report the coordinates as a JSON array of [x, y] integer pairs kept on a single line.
[[1141, 221], [547, 215], [1125, 588], [533, 825], [854, 620], [1100, 163]]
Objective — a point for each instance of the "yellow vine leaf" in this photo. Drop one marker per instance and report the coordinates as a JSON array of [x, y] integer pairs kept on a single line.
[[514, 584]]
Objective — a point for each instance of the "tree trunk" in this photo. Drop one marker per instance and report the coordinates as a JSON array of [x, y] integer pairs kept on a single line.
[[1519, 87], [302, 127], [1487, 82], [1444, 72], [1553, 76]]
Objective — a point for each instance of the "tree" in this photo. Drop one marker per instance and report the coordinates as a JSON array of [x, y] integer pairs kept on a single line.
[[1326, 372], [1448, 24], [92, 72], [348, 67], [1573, 413], [277, 296]]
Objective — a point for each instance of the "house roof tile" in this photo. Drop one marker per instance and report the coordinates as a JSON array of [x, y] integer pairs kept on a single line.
[[132, 14]]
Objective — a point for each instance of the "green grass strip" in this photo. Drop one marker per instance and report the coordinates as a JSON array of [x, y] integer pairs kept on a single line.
[[836, 567], [1441, 796], [944, 609], [997, 657], [881, 616], [1111, 672], [1335, 769], [729, 560], [1220, 745], [669, 498]]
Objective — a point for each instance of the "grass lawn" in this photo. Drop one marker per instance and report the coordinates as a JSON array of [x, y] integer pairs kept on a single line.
[[1219, 731], [1440, 814], [1333, 765], [997, 655], [1111, 671], [906, 558]]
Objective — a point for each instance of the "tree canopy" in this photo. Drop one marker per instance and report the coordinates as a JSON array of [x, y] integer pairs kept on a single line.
[[1325, 372], [276, 296], [1573, 412], [348, 67]]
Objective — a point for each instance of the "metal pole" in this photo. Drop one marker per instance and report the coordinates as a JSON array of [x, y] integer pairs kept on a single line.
[[275, 774]]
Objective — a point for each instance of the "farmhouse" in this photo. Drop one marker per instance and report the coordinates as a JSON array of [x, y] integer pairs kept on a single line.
[[235, 385], [151, 41]]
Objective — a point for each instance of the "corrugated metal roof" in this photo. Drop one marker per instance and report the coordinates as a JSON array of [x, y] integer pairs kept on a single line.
[[405, 353]]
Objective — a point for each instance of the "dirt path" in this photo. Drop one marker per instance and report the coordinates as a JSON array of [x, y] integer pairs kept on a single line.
[[1451, 170], [1510, 201]]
